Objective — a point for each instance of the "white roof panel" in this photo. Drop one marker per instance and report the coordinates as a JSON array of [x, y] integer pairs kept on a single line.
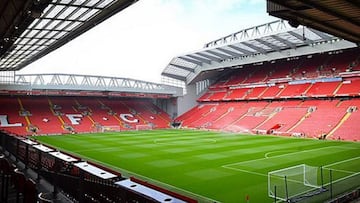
[[264, 39]]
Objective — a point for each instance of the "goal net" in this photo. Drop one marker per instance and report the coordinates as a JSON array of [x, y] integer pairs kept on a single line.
[[294, 181], [144, 127], [111, 128]]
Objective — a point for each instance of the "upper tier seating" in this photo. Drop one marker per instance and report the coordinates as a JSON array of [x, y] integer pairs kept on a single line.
[[300, 96], [293, 90], [217, 96], [249, 83], [349, 88], [236, 94], [255, 93], [271, 92], [309, 66], [323, 89]]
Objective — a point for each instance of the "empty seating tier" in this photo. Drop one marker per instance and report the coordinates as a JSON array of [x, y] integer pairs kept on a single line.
[[313, 96], [40, 115]]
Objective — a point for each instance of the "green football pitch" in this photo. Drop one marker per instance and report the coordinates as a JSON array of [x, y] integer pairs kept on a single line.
[[210, 166]]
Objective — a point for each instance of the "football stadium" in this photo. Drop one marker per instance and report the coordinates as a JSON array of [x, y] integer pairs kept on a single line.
[[269, 113]]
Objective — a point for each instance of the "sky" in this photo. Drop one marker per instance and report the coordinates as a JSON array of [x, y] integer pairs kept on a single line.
[[141, 40]]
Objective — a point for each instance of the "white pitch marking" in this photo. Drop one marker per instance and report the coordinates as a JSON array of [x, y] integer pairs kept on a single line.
[[254, 160], [340, 162]]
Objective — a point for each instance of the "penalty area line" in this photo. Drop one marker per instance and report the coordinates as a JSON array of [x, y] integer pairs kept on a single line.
[[245, 171], [340, 162], [282, 155]]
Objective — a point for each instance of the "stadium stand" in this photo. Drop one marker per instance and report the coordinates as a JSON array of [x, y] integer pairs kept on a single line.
[[254, 93], [249, 100], [11, 118], [47, 118], [312, 95], [322, 89], [237, 94], [349, 87], [40, 115], [295, 90], [347, 130], [288, 114], [101, 115]]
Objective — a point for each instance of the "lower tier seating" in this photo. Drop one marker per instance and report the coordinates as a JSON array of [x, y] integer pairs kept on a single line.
[[40, 115]]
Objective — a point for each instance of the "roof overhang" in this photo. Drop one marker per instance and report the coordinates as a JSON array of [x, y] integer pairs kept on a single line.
[[86, 83], [30, 29], [271, 41], [338, 17]]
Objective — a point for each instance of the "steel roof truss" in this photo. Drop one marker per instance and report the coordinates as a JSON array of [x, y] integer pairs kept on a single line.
[[183, 67], [212, 58], [300, 37], [256, 48], [55, 80], [100, 82], [232, 53], [222, 56], [191, 60], [86, 81], [59, 22], [39, 80], [78, 5], [125, 83], [21, 79], [199, 58], [170, 75], [113, 83], [246, 52], [268, 44], [320, 34], [287, 42], [71, 80]]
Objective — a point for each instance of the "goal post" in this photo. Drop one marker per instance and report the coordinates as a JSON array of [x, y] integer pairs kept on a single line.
[[144, 127], [286, 183], [111, 128]]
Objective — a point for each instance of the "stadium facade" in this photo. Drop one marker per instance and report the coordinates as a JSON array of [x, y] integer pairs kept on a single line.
[[244, 82]]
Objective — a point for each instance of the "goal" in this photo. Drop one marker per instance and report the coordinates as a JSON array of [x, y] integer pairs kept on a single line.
[[144, 127], [111, 128], [294, 181]]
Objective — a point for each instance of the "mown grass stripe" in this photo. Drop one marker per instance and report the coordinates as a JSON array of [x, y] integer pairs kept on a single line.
[[190, 152]]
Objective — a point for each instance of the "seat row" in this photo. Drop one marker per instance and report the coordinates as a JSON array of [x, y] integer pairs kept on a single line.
[[28, 115], [286, 90], [329, 64], [331, 118]]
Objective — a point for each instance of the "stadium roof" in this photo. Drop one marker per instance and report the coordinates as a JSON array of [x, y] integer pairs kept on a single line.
[[271, 41], [30, 29], [337, 17], [68, 82]]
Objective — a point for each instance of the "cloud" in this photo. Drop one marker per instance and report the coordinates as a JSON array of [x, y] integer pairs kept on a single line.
[[141, 40]]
